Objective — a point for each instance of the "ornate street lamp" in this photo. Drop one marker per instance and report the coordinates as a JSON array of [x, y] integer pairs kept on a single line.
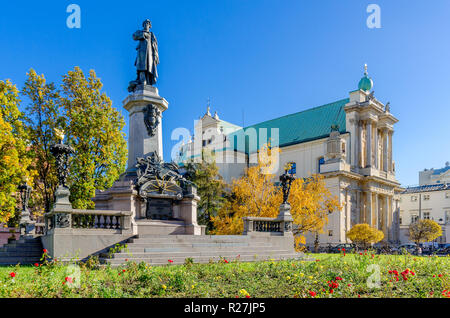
[[25, 223]]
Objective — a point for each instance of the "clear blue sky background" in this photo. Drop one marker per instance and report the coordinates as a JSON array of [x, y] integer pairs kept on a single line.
[[263, 59]]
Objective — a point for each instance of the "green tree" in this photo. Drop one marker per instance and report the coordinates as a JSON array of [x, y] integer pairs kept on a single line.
[[424, 231], [210, 188], [14, 161], [94, 130], [42, 117]]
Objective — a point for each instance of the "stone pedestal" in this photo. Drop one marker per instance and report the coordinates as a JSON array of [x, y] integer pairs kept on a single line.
[[285, 218], [140, 143]]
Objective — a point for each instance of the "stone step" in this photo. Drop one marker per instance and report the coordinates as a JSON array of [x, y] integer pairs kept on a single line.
[[22, 250], [190, 248], [205, 259], [15, 253], [197, 245], [199, 241], [23, 245], [186, 254], [16, 259]]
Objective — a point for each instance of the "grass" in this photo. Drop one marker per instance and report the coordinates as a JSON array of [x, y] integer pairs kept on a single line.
[[237, 279]]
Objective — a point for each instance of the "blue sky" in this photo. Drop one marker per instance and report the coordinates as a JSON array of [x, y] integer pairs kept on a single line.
[[255, 59]]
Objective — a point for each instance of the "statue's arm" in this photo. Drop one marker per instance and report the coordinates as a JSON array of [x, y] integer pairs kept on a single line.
[[138, 35]]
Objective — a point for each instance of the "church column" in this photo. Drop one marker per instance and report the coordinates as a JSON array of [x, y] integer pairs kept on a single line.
[[376, 210], [386, 218], [359, 208], [369, 144], [360, 143], [390, 169], [376, 148], [385, 149], [368, 208]]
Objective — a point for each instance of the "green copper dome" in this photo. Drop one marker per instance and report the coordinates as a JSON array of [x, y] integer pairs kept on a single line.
[[366, 82]]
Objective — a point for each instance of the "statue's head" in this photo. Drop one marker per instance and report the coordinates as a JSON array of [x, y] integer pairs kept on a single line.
[[147, 24]]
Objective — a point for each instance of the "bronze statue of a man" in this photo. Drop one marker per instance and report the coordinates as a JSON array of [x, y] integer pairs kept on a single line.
[[147, 56]]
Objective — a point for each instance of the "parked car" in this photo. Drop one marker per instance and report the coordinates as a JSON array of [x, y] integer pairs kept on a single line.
[[347, 246], [443, 250], [382, 248], [405, 248]]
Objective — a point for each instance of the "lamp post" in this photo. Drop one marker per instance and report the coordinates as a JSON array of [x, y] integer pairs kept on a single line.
[[26, 225], [62, 206]]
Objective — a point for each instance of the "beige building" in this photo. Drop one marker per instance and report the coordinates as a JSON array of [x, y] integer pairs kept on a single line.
[[430, 200], [349, 141]]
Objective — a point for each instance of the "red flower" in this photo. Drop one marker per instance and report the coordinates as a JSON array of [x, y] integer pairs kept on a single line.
[[123, 270], [344, 254], [170, 261], [359, 296], [440, 275], [312, 293], [247, 296], [343, 249], [36, 264], [225, 261], [68, 279], [126, 259], [12, 274], [431, 293], [434, 275], [360, 253], [412, 273], [349, 285], [331, 291], [338, 278], [45, 251]]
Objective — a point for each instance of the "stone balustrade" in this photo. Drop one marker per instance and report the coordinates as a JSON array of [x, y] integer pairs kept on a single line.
[[261, 224], [39, 229], [88, 219], [281, 225]]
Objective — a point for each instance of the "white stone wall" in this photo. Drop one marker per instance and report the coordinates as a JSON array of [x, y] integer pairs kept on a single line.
[[437, 205]]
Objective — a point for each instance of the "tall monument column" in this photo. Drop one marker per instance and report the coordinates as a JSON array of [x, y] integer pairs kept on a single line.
[[145, 109]]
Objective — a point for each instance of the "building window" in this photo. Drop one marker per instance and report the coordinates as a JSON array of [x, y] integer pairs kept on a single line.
[[330, 232], [426, 197], [204, 143], [426, 215], [414, 218], [292, 168], [413, 198], [321, 161], [447, 217], [447, 195], [400, 216]]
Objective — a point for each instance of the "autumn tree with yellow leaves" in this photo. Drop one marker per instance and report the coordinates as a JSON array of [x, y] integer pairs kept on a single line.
[[363, 235], [256, 194], [424, 231], [14, 160]]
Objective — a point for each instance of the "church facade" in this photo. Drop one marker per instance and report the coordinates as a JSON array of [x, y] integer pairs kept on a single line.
[[348, 141]]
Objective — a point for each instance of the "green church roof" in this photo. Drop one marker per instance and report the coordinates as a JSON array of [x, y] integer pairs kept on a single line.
[[311, 124]]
